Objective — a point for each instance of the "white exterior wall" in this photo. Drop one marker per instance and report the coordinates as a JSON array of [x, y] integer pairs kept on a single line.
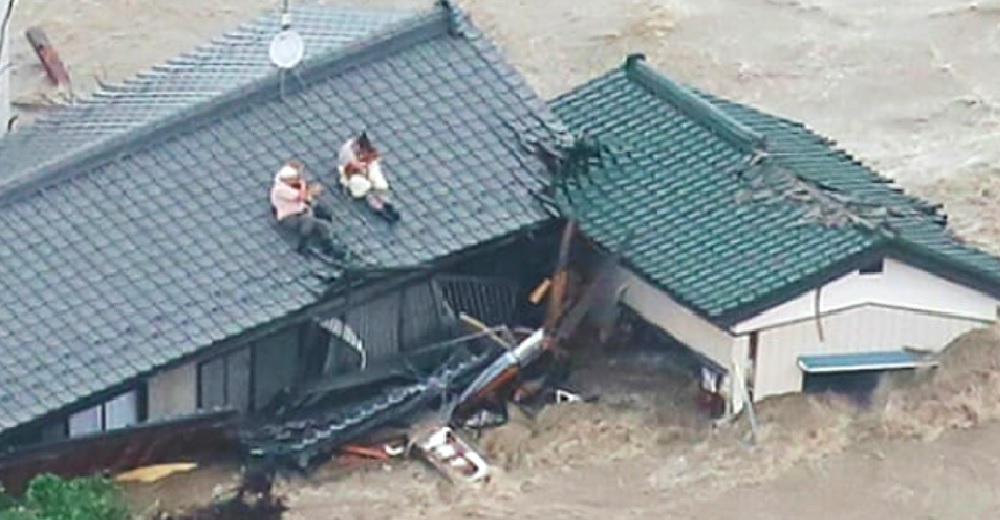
[[860, 329], [173, 392], [902, 306], [899, 285], [658, 308]]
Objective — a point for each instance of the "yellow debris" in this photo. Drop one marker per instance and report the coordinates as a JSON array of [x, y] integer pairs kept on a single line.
[[155, 472], [539, 293]]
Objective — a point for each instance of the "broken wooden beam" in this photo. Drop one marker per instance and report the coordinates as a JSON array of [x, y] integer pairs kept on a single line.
[[47, 54], [539, 293], [364, 451], [559, 280]]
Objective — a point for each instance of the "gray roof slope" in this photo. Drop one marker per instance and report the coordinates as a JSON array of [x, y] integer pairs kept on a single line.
[[160, 244], [230, 61]]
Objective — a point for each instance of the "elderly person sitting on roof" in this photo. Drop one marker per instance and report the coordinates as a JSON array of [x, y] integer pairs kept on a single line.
[[296, 208], [361, 175]]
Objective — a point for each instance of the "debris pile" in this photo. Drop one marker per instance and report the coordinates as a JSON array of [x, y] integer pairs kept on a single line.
[[235, 509], [471, 389], [253, 499], [310, 433]]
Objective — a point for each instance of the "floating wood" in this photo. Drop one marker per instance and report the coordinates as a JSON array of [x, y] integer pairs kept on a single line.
[[47, 54], [559, 279], [539, 293]]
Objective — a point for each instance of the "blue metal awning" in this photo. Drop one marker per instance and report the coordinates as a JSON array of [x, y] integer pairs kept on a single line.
[[859, 361]]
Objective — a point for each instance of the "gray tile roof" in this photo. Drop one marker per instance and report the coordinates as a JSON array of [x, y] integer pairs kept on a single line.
[[160, 242], [234, 59]]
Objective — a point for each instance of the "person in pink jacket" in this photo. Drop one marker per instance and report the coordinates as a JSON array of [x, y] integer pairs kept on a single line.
[[296, 207]]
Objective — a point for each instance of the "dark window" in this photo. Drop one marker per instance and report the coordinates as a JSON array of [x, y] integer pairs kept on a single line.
[[238, 379], [224, 382], [55, 431], [754, 339], [275, 364], [212, 384], [872, 268]]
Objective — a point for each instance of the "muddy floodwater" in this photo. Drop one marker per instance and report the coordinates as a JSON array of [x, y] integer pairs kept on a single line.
[[909, 86]]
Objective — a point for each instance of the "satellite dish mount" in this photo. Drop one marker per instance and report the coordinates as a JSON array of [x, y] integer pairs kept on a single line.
[[287, 48]]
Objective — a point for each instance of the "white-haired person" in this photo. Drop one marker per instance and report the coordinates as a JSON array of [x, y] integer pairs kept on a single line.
[[296, 207]]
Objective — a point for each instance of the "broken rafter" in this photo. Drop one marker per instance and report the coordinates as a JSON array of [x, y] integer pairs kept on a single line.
[[559, 279]]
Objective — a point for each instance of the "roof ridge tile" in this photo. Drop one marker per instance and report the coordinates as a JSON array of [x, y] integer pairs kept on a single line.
[[692, 105], [397, 36]]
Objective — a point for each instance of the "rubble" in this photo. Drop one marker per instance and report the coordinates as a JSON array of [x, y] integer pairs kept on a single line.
[[305, 437], [453, 456], [234, 509]]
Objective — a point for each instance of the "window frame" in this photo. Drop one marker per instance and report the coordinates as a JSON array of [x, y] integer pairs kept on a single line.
[[226, 359], [876, 267], [102, 408]]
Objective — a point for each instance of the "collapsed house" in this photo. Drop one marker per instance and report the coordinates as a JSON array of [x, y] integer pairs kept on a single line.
[[146, 279], [769, 252]]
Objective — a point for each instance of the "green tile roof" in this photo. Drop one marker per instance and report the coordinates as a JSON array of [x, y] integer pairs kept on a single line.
[[672, 170]]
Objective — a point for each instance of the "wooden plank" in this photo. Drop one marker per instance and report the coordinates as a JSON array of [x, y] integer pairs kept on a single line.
[[559, 280], [47, 54]]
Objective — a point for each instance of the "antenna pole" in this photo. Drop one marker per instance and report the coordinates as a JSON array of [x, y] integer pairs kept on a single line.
[[286, 17]]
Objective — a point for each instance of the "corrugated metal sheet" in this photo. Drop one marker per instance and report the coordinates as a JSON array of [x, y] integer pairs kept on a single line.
[[490, 300], [423, 315], [861, 329], [377, 324]]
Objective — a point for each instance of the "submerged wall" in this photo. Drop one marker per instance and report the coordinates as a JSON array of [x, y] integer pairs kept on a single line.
[[659, 309], [866, 328]]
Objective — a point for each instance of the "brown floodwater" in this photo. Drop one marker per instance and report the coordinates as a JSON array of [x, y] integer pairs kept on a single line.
[[908, 86]]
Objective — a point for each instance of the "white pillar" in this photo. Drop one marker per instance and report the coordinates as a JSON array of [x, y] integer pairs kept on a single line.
[[5, 96]]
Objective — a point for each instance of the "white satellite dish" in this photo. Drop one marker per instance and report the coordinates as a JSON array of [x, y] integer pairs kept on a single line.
[[287, 49]]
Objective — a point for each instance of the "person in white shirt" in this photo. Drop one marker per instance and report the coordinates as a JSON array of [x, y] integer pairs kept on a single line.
[[361, 175], [296, 207]]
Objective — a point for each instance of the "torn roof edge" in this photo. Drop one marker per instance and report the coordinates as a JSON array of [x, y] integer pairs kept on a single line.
[[246, 33], [414, 30]]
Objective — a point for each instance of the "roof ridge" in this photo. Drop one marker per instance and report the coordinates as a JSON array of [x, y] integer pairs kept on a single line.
[[148, 76], [411, 31], [692, 105]]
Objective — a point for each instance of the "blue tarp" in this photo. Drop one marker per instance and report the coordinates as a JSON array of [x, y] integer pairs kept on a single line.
[[858, 361]]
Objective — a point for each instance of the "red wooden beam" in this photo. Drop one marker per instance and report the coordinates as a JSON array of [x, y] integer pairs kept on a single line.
[[48, 55]]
